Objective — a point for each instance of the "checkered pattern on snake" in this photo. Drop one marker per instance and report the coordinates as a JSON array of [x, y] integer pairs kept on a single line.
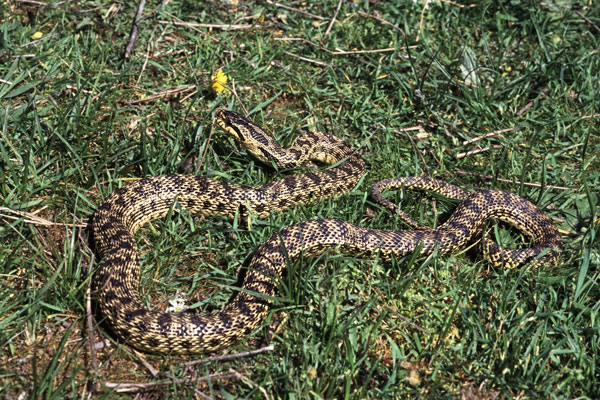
[[128, 208]]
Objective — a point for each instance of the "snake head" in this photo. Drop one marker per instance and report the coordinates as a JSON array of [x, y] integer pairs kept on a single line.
[[232, 123], [250, 136]]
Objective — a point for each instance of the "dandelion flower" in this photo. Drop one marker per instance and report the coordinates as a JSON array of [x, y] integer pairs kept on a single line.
[[37, 35], [219, 80]]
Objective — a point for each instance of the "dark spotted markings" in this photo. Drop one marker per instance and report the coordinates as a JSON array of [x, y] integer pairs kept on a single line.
[[135, 314], [164, 322], [129, 208]]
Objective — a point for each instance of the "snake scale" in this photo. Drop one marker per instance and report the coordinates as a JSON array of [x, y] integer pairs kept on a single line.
[[132, 206]]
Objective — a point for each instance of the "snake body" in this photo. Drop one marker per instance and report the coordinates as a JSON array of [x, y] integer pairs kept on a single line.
[[129, 208]]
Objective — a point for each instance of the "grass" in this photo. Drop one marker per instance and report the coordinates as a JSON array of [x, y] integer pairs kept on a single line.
[[483, 95]]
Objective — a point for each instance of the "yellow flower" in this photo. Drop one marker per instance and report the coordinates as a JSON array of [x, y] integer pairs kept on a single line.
[[219, 80], [37, 35]]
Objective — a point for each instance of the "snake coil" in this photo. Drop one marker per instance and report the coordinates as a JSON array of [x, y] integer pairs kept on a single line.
[[129, 208]]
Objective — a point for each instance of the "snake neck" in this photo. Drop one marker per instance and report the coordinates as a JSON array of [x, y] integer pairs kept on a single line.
[[308, 148]]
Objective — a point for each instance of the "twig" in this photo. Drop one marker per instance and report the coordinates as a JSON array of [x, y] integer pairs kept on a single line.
[[586, 19], [45, 37], [578, 13], [146, 364], [383, 21], [134, 28], [210, 132], [324, 64], [338, 51], [489, 134], [477, 151], [410, 128], [408, 321], [279, 5], [490, 177], [532, 102], [40, 3], [452, 3], [337, 10], [143, 66], [235, 94], [90, 318], [251, 382], [187, 96], [164, 93], [345, 52], [167, 54], [31, 218], [183, 22], [293, 39], [202, 395], [526, 107], [226, 27], [5, 82], [129, 387], [591, 116], [110, 7], [227, 357], [421, 20]]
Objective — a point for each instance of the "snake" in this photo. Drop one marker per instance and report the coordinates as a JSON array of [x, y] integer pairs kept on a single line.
[[127, 209]]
